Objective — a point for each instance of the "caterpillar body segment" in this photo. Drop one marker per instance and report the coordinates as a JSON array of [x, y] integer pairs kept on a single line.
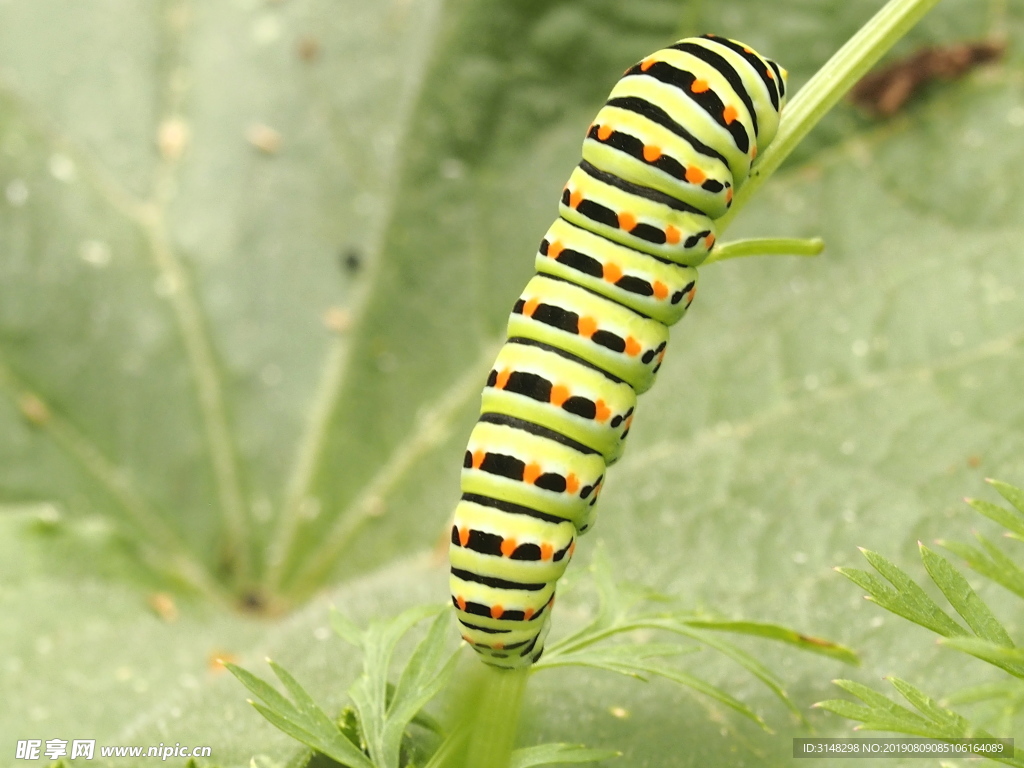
[[660, 290], [561, 394], [618, 340], [514, 460], [637, 217], [661, 161], [650, 155]]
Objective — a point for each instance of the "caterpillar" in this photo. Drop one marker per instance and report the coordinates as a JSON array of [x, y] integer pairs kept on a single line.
[[661, 161]]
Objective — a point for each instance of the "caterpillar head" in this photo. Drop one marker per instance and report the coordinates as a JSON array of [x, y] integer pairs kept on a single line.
[[768, 92], [763, 79]]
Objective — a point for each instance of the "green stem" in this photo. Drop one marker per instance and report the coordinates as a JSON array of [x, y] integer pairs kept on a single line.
[[494, 726], [766, 246], [448, 751], [849, 64]]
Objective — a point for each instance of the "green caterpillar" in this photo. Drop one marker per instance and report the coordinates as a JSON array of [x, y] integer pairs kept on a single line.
[[661, 162]]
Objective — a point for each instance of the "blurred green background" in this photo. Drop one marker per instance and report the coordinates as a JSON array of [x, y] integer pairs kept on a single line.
[[256, 257]]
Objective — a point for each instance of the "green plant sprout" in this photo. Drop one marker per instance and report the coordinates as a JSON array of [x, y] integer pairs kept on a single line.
[[376, 731], [983, 637]]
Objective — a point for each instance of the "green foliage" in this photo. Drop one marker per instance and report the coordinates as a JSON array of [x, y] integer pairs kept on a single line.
[[930, 720], [549, 754], [377, 727], [991, 642], [374, 732], [625, 608], [303, 720]]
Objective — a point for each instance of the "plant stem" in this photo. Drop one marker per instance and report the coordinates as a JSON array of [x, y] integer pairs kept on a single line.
[[766, 246], [497, 719], [448, 750], [829, 84]]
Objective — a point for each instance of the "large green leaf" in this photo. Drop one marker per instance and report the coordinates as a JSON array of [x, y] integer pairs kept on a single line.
[[255, 257]]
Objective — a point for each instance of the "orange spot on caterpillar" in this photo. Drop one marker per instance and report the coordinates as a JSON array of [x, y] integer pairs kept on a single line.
[[603, 411], [503, 377], [699, 86], [478, 458], [672, 235], [627, 221], [728, 195], [753, 152], [612, 272], [496, 611], [605, 132], [660, 290], [531, 472], [575, 198], [771, 75], [572, 547], [690, 296], [461, 601], [651, 154], [572, 484], [661, 357], [463, 536], [498, 647], [646, 64], [464, 637], [528, 614], [530, 307], [559, 395], [546, 551], [747, 50], [695, 175], [586, 326], [508, 546], [729, 114], [629, 422], [555, 249], [632, 347], [709, 240]]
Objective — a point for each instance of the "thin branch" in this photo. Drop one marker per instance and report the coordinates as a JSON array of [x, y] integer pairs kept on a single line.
[[766, 246]]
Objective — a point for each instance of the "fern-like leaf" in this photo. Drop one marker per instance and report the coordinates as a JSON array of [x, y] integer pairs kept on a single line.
[[625, 608], [991, 642], [932, 721], [964, 599], [990, 562], [904, 598]]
